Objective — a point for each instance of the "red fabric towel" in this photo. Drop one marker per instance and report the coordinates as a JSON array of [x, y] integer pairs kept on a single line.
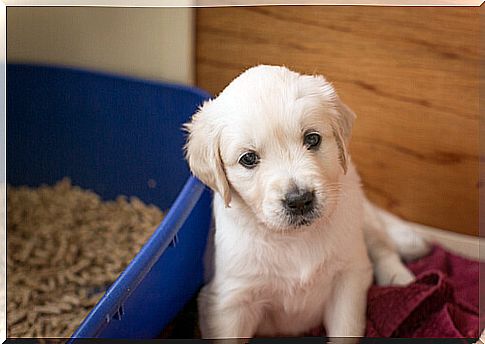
[[442, 302]]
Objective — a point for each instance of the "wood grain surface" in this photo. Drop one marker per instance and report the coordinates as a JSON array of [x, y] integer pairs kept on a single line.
[[410, 74]]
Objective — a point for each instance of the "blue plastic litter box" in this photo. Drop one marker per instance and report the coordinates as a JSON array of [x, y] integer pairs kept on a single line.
[[117, 135]]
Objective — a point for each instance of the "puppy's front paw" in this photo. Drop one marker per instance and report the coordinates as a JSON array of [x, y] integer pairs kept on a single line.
[[393, 272]]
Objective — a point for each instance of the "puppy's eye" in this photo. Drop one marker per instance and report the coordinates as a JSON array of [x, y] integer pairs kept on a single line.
[[312, 140], [249, 159]]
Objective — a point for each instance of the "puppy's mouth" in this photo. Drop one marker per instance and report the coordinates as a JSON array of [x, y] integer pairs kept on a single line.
[[297, 221], [289, 222]]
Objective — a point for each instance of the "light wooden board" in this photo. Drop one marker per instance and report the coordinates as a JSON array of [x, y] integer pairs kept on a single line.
[[410, 74]]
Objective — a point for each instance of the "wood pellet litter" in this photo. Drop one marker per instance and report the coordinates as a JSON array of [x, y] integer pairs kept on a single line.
[[65, 246]]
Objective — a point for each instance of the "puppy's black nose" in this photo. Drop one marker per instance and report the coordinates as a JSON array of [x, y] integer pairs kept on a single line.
[[299, 202]]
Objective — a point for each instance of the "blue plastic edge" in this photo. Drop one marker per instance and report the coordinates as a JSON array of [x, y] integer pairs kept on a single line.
[[131, 277], [172, 85]]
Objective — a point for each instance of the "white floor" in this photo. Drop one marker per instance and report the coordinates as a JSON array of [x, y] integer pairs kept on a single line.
[[464, 245]]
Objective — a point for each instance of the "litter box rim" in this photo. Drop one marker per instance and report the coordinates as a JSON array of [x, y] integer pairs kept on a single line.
[[176, 86]]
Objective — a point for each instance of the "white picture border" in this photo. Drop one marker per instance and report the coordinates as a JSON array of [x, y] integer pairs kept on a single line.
[[139, 3]]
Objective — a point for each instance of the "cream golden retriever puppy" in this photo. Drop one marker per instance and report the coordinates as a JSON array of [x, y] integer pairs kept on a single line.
[[296, 242]]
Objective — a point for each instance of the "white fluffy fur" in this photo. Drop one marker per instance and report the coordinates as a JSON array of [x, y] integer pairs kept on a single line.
[[271, 277]]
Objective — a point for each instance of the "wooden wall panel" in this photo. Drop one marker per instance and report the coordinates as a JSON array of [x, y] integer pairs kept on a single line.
[[410, 74]]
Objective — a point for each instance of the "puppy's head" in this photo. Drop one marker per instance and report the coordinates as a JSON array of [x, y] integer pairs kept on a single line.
[[275, 142]]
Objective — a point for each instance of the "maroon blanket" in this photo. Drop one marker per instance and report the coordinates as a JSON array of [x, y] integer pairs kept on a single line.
[[443, 302]]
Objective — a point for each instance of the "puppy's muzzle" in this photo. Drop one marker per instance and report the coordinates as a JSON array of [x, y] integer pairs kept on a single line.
[[299, 202]]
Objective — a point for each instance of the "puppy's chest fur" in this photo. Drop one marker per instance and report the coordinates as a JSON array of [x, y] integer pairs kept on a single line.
[[291, 277], [294, 297]]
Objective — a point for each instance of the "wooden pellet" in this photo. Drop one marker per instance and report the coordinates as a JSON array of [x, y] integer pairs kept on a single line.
[[47, 309], [17, 316], [27, 249], [65, 246], [70, 299]]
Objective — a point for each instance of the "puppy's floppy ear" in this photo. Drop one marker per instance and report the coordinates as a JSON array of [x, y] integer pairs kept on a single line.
[[343, 116], [202, 151], [342, 131]]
